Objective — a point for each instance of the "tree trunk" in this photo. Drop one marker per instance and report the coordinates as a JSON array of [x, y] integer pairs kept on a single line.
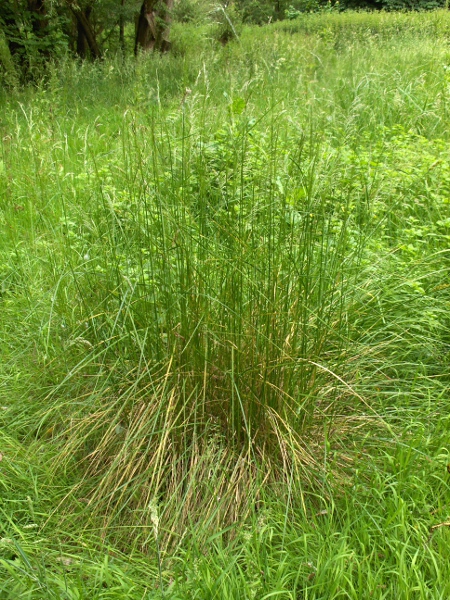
[[85, 34], [82, 44], [39, 18], [153, 26]]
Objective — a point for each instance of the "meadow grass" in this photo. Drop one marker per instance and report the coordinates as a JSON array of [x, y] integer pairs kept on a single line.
[[225, 330]]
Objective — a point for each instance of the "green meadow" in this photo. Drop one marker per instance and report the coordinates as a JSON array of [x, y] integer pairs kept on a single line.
[[225, 318]]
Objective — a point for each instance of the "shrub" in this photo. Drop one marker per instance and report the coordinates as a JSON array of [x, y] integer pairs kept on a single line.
[[412, 4], [189, 11], [227, 23], [253, 11]]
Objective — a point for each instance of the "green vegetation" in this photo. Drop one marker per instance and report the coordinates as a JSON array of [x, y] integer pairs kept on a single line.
[[225, 330], [34, 33]]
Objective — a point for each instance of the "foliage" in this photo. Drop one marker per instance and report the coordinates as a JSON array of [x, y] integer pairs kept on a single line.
[[254, 11], [226, 22], [343, 28], [39, 31], [188, 11], [413, 4], [293, 12], [269, 10], [33, 37]]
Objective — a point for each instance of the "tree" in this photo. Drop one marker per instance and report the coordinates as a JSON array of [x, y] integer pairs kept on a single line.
[[153, 26], [122, 27], [39, 18], [25, 26], [86, 38], [9, 22], [32, 33]]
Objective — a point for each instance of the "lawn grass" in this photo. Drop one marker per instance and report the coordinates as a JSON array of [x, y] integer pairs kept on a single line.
[[224, 318]]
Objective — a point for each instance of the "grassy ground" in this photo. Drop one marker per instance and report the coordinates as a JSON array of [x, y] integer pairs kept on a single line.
[[224, 318]]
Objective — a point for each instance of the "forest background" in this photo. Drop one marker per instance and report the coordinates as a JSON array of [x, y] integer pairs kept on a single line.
[[35, 31]]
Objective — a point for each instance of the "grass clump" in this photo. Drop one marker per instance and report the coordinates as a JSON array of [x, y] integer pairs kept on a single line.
[[230, 267]]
